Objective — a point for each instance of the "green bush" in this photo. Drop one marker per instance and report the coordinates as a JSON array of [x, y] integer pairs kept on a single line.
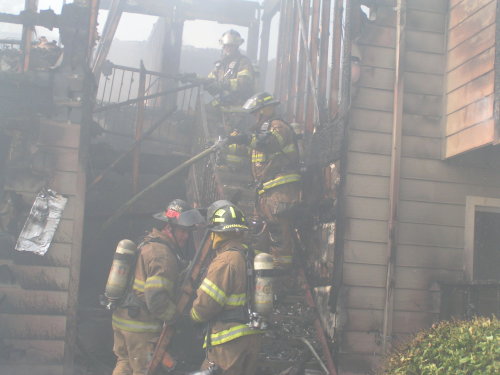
[[450, 348]]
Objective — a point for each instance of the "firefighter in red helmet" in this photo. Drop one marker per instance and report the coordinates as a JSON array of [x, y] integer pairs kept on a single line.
[[138, 322]]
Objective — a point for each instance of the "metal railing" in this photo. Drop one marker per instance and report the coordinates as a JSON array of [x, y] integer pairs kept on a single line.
[[121, 85], [10, 44], [203, 187]]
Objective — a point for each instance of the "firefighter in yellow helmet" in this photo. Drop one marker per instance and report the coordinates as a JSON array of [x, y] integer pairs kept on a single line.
[[137, 323], [275, 169], [222, 297]]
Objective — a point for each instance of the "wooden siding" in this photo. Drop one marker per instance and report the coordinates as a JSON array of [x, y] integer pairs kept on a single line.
[[36, 305], [470, 76], [432, 195]]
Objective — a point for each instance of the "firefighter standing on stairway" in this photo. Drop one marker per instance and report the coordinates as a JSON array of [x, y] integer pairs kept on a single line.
[[137, 323], [275, 169], [233, 82], [222, 298]]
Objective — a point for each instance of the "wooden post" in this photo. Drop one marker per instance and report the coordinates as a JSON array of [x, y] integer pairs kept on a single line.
[[323, 58], [335, 68], [302, 69], [392, 225], [29, 5], [139, 125]]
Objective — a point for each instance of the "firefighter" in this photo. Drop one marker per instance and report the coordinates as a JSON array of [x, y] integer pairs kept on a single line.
[[137, 323], [233, 77], [222, 298], [275, 169], [233, 82]]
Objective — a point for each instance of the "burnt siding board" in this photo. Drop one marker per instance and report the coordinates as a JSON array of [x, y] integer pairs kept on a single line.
[[471, 47], [365, 252], [452, 193], [474, 113], [470, 92], [36, 352], [372, 299], [367, 208], [58, 255], [19, 301], [381, 121], [429, 6], [470, 70], [470, 76], [474, 23], [31, 326], [425, 41], [34, 310], [465, 9], [19, 369]]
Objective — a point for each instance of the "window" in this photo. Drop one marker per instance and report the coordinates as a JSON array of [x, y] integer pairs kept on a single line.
[[482, 239]]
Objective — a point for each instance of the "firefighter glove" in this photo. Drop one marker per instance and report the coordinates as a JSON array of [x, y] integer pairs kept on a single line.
[[239, 139], [214, 88]]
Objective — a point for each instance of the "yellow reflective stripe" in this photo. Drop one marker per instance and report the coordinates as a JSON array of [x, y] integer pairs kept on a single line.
[[285, 179], [218, 220], [135, 325], [138, 285], [231, 334], [213, 291], [195, 316], [244, 72], [233, 214], [258, 157], [159, 282], [235, 226], [279, 137], [237, 299]]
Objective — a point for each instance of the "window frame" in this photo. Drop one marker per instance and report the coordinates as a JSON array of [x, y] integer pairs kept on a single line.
[[475, 204]]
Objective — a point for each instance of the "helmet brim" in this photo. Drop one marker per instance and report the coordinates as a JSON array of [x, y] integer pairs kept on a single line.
[[161, 216], [190, 218]]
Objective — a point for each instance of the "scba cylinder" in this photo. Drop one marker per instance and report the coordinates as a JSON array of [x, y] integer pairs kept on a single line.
[[119, 274], [263, 297]]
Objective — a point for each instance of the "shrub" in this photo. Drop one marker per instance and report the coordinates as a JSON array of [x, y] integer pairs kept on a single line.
[[450, 348]]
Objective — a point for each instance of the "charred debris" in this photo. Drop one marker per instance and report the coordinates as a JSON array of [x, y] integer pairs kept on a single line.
[[396, 108]]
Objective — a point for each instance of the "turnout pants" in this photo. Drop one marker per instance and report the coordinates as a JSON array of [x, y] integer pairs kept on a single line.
[[236, 357], [275, 206], [134, 351]]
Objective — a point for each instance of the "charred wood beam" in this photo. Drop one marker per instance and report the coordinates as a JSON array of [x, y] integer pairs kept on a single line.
[[108, 34], [228, 11], [45, 18]]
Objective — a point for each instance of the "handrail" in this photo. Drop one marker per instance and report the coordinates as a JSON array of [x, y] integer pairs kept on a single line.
[[147, 97]]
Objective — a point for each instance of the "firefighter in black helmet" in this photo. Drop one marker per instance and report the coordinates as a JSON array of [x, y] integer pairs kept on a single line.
[[138, 322], [275, 169], [222, 297]]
